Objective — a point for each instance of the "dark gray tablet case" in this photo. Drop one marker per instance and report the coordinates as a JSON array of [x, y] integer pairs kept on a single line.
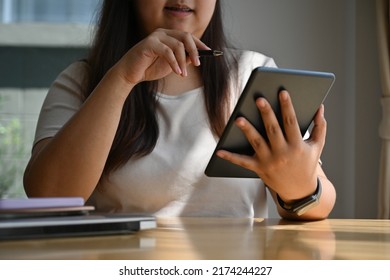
[[308, 89]]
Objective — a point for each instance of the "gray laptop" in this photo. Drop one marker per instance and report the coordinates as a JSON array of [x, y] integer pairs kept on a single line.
[[79, 225]]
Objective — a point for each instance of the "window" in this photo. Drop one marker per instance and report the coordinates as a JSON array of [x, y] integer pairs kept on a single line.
[[54, 11], [38, 39]]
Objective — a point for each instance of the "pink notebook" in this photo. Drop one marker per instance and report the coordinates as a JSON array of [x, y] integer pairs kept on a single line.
[[44, 202], [42, 207]]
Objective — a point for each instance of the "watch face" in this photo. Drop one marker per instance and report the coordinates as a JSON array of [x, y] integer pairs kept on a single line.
[[304, 208]]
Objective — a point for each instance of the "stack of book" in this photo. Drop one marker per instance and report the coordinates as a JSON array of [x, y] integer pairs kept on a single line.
[[32, 218], [14, 208]]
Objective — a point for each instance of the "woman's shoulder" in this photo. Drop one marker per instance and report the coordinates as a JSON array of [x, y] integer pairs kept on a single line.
[[247, 61], [252, 59], [77, 69], [70, 84], [72, 77]]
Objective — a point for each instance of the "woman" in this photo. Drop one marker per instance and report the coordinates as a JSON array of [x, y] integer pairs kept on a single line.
[[131, 129]]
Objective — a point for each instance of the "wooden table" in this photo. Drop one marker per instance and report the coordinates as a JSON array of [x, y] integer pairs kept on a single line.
[[220, 238]]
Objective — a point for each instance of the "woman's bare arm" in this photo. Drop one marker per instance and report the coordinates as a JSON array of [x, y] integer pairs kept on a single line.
[[71, 163]]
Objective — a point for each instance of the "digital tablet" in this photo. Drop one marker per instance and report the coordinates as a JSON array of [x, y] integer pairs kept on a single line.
[[308, 89]]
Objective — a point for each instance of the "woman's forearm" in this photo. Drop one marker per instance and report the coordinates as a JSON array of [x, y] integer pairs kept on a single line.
[[72, 162], [324, 207]]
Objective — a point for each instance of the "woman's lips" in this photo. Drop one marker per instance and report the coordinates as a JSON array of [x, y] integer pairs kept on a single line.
[[179, 8], [176, 10]]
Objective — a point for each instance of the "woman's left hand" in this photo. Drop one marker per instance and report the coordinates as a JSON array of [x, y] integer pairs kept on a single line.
[[286, 163]]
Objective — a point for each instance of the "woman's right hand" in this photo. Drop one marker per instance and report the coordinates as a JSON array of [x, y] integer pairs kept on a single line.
[[72, 162], [161, 53]]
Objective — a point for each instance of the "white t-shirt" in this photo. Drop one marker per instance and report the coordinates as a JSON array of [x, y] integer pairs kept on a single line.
[[169, 181]]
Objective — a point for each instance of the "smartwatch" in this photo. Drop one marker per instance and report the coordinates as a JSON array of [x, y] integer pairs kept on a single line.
[[301, 206]]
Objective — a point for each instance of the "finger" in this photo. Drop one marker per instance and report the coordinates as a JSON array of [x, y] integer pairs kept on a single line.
[[191, 48], [177, 49], [167, 53], [273, 130], [190, 43], [258, 143], [181, 57], [199, 44], [318, 133], [244, 161], [160, 46], [290, 122]]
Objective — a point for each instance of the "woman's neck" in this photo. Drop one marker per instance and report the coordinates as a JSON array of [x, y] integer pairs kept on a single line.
[[174, 84]]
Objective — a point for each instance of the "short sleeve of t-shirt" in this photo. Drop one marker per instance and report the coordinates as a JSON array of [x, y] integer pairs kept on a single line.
[[249, 61], [62, 101]]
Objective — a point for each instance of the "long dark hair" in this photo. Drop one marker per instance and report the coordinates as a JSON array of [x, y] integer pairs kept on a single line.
[[117, 31]]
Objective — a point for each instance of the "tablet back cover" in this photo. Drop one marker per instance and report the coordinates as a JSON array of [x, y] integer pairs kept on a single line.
[[308, 89]]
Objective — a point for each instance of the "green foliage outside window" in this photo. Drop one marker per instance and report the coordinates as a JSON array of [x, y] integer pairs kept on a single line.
[[11, 155]]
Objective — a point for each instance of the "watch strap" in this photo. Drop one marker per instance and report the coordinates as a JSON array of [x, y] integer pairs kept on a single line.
[[301, 206]]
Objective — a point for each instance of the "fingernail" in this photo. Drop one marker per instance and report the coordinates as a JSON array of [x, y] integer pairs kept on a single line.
[[197, 61], [261, 102], [240, 122], [184, 72], [220, 154], [283, 95]]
